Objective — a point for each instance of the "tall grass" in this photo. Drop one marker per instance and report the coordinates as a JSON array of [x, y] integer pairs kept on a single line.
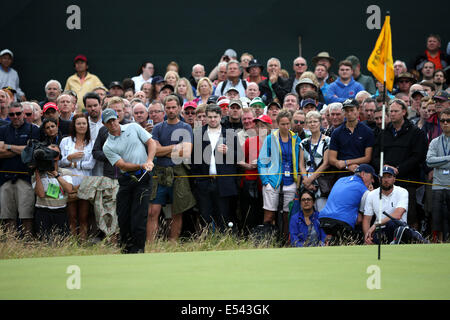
[[15, 246]]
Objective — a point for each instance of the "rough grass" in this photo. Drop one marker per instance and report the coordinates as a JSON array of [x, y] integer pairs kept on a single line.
[[15, 246]]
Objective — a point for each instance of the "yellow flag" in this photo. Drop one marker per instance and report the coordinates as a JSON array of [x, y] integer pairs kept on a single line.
[[383, 54]]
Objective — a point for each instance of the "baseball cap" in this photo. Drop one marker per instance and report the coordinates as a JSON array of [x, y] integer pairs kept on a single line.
[[115, 84], [306, 102], [6, 51], [223, 103], [354, 60], [257, 102], [157, 79], [230, 53], [108, 114], [254, 63], [441, 95], [390, 170], [167, 86], [274, 103], [421, 92], [212, 100], [50, 105], [263, 118], [303, 81], [80, 57], [245, 102], [235, 101], [350, 103], [189, 104], [366, 168], [232, 89]]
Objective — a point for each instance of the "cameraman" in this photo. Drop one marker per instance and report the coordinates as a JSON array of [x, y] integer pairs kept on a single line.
[[17, 196], [52, 188]]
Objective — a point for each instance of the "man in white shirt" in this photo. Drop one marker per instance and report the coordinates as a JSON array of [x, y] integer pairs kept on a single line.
[[215, 157], [394, 202]]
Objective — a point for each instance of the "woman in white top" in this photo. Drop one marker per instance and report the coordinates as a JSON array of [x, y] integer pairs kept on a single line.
[[76, 152], [314, 157]]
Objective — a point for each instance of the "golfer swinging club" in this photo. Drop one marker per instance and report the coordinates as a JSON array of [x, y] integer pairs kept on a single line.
[[131, 149]]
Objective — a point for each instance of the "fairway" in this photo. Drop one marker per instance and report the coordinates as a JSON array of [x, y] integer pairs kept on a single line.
[[407, 272]]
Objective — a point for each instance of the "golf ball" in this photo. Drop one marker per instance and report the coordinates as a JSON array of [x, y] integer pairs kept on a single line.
[[230, 224]]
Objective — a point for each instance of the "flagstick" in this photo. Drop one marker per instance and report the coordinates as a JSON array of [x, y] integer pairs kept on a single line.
[[381, 162]]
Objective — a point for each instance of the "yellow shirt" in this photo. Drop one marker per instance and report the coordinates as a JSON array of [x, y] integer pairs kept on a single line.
[[90, 82]]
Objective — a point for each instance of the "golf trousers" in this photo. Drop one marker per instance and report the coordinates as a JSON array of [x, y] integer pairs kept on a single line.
[[132, 211]]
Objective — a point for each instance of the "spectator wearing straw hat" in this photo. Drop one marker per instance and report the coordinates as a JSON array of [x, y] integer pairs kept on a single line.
[[327, 60]]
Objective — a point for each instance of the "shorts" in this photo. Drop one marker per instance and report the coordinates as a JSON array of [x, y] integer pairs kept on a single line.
[[270, 197], [17, 199], [164, 195]]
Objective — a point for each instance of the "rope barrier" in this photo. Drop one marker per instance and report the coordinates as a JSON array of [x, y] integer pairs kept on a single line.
[[253, 174]]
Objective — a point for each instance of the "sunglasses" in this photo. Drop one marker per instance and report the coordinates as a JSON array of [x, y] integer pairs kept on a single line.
[[447, 120], [191, 113], [306, 199], [299, 122], [300, 64], [28, 114], [12, 114]]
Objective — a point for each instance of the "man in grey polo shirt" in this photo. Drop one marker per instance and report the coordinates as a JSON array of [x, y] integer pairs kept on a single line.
[[132, 150]]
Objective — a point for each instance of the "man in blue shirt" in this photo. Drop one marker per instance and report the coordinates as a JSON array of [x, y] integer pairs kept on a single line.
[[352, 142], [173, 139], [345, 87], [17, 196], [346, 200]]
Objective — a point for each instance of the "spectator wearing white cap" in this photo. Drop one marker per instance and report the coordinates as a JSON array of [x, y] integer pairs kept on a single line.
[[227, 56], [8, 76]]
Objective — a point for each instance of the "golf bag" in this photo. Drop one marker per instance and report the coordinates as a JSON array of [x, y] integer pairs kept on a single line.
[[404, 234]]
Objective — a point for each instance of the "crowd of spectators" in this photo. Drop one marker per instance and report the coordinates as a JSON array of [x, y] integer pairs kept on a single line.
[[248, 146]]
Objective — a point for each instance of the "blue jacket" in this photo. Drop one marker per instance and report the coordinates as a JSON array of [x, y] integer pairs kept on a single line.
[[298, 229], [339, 92], [270, 163]]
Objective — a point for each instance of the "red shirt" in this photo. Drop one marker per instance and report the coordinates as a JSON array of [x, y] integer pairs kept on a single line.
[[251, 147], [436, 60]]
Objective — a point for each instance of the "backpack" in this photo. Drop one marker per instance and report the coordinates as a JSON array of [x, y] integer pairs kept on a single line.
[[224, 84]]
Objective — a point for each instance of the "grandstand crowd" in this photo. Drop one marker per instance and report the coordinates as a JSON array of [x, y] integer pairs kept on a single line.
[[248, 147]]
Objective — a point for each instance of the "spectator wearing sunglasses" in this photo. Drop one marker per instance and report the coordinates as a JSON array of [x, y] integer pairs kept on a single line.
[[299, 66], [17, 195], [298, 124]]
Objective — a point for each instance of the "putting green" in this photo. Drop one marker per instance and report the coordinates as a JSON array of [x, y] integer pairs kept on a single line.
[[406, 272]]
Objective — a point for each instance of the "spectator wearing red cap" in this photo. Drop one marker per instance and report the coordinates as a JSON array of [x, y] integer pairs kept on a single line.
[[51, 110], [82, 81], [189, 113]]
